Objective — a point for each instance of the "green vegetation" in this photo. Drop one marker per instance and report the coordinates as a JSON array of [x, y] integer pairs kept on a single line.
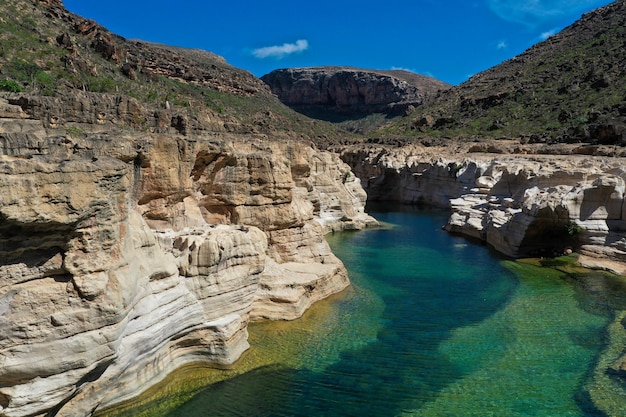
[[563, 90], [573, 229], [10, 86], [44, 54], [100, 85], [74, 131]]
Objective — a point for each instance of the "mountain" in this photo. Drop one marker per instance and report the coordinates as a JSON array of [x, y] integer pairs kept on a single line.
[[48, 54], [352, 97], [569, 88]]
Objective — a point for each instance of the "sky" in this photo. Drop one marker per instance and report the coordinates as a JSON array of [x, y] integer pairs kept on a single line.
[[450, 40]]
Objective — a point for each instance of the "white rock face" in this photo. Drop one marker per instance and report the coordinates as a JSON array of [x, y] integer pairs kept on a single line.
[[113, 273], [522, 205], [546, 209]]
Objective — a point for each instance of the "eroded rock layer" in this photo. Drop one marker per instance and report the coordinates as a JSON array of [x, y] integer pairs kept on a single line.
[[126, 255], [521, 205], [518, 201]]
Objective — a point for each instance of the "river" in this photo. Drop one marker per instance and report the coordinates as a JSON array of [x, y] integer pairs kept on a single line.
[[433, 325]]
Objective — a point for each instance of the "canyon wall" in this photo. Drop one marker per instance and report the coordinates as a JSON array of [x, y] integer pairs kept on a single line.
[[352, 90], [521, 205], [126, 254]]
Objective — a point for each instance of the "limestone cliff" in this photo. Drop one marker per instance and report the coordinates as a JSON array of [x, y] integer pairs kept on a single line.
[[153, 201], [128, 254], [521, 205], [515, 199]]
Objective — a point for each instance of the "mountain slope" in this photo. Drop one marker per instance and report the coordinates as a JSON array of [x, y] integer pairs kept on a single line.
[[51, 54], [569, 88]]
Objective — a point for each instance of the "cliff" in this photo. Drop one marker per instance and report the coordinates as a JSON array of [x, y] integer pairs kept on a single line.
[[513, 198], [348, 95], [521, 205], [352, 90], [153, 201], [125, 256]]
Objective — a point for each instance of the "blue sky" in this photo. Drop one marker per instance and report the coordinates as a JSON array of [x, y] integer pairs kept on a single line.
[[449, 40]]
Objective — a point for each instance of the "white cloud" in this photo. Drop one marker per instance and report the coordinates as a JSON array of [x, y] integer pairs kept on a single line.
[[280, 51], [394, 68], [533, 12], [413, 70], [502, 45], [547, 34]]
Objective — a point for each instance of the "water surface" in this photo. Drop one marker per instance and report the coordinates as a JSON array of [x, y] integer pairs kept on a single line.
[[433, 325]]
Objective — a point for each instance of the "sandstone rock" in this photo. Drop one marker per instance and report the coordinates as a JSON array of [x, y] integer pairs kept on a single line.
[[288, 289], [125, 257]]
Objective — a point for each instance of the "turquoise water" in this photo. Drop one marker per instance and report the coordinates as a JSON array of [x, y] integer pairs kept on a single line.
[[433, 326]]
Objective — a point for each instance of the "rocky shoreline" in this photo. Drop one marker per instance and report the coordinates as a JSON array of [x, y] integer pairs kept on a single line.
[[130, 255], [522, 205], [127, 256]]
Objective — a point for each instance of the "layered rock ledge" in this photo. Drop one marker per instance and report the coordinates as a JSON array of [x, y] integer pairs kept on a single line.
[[516, 199], [520, 204], [125, 255]]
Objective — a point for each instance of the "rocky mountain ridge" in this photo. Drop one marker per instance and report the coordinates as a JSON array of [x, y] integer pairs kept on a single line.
[[51, 56], [568, 88]]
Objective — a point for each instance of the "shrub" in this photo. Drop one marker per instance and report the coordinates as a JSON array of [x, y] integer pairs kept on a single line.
[[573, 229], [10, 86], [100, 85], [46, 82], [74, 131], [21, 70]]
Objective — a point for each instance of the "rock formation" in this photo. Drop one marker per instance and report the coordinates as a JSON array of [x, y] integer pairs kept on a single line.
[[520, 205], [126, 255], [153, 201], [351, 90]]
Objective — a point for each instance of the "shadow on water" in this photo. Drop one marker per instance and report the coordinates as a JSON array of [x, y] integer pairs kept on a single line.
[[254, 393], [434, 326], [425, 295]]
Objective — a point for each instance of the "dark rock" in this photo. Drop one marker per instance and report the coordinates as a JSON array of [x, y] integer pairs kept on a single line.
[[350, 90], [65, 41], [130, 70]]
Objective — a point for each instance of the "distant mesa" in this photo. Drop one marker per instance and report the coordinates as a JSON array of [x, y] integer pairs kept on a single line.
[[336, 93]]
